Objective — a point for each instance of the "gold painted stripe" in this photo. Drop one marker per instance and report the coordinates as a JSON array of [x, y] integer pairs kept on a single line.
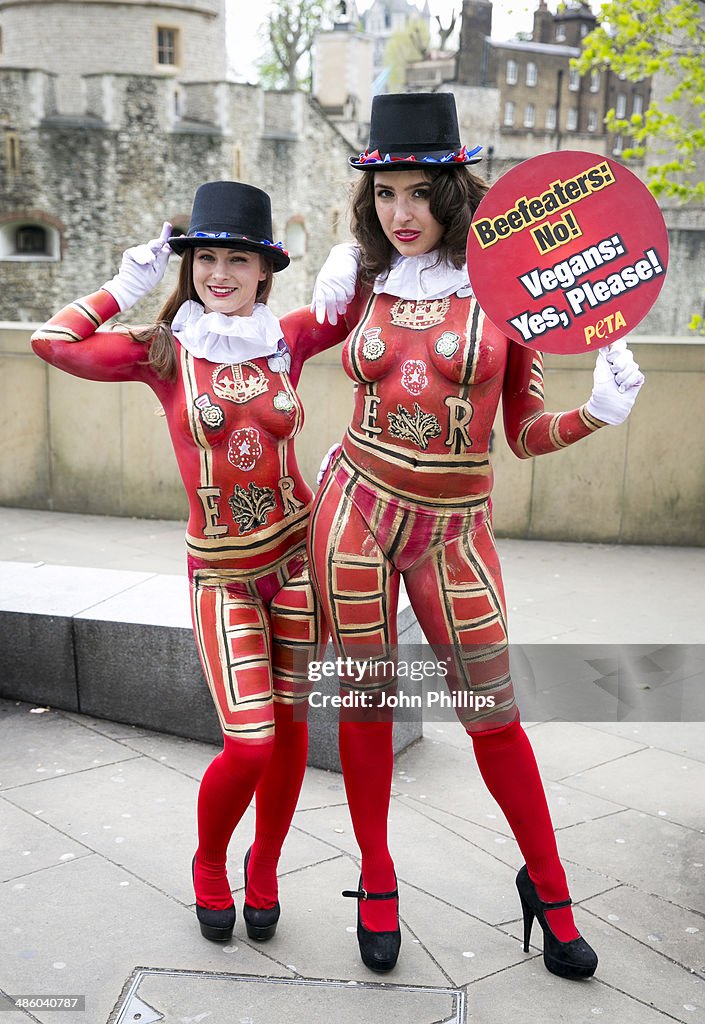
[[421, 462], [188, 374], [590, 421], [554, 432]]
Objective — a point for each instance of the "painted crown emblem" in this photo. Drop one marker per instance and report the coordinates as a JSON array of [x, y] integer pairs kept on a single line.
[[418, 315], [239, 382]]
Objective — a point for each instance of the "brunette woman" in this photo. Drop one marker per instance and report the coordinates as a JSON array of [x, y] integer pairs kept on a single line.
[[408, 495]]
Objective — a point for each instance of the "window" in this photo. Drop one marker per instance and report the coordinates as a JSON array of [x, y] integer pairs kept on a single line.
[[532, 75], [560, 33], [621, 107], [618, 145], [594, 81], [574, 80], [295, 241], [167, 46], [638, 105], [529, 115], [509, 114], [12, 152], [25, 240], [592, 120], [583, 30], [512, 72], [551, 119], [572, 119], [30, 240]]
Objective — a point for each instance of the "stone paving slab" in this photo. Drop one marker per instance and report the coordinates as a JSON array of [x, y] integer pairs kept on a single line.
[[630, 966], [687, 738], [117, 810], [36, 747], [583, 881], [564, 748], [673, 779], [674, 933], [653, 854], [442, 775], [28, 844], [51, 590], [82, 927], [541, 998], [464, 946]]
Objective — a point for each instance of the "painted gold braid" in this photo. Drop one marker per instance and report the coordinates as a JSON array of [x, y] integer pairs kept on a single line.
[[591, 422], [521, 440], [554, 432]]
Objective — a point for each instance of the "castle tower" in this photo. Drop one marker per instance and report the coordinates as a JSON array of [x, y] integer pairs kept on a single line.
[[71, 39], [475, 58]]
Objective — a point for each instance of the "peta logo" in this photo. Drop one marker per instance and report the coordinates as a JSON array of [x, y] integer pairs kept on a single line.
[[603, 328]]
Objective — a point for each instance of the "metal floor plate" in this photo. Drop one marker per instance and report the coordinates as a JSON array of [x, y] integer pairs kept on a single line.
[[159, 996]]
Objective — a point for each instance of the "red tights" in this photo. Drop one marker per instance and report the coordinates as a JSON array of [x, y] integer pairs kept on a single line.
[[507, 765], [272, 770]]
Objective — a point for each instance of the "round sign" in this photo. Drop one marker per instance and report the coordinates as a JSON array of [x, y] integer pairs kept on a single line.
[[567, 252]]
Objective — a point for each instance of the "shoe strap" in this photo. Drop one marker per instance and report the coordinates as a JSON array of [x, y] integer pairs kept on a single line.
[[363, 894], [556, 906]]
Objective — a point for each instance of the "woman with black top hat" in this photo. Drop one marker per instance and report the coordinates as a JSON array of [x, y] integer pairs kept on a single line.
[[408, 494], [225, 370]]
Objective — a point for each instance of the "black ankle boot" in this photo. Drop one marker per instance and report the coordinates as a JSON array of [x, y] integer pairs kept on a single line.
[[379, 950], [261, 924], [574, 959], [216, 925]]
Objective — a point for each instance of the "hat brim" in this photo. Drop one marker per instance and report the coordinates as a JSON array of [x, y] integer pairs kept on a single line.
[[180, 243]]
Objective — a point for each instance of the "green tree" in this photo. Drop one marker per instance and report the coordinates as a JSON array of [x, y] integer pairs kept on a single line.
[[664, 38], [406, 45], [290, 29]]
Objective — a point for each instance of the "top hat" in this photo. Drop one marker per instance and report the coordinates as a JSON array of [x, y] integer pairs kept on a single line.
[[408, 129], [230, 214]]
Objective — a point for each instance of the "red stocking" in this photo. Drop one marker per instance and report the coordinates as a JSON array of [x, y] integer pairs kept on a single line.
[[276, 796], [226, 789], [508, 766], [367, 758]]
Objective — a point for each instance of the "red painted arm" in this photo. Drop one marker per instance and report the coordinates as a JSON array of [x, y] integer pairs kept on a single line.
[[531, 431], [72, 342], [306, 337]]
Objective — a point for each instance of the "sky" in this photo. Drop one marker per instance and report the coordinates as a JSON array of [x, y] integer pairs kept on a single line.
[[246, 19]]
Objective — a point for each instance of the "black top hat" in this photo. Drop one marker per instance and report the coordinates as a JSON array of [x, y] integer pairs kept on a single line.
[[407, 129], [231, 215]]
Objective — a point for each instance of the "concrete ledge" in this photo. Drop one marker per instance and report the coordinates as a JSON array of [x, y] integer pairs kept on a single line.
[[119, 645]]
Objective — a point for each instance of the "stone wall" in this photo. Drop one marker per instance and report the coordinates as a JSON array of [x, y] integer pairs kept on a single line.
[[109, 177], [79, 446]]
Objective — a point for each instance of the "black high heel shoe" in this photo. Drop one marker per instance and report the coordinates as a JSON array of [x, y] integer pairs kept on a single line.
[[574, 959], [216, 925], [261, 924], [379, 950]]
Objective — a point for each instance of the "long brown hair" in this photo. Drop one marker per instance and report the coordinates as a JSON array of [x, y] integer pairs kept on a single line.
[[455, 195], [162, 350]]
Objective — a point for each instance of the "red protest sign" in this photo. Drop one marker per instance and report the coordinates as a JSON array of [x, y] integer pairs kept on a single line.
[[567, 252]]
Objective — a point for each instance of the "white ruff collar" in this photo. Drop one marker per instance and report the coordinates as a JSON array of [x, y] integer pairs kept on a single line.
[[227, 339], [415, 277]]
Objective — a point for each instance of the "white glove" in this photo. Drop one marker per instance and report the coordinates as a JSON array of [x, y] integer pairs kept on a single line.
[[335, 285], [327, 459], [616, 383], [141, 270]]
